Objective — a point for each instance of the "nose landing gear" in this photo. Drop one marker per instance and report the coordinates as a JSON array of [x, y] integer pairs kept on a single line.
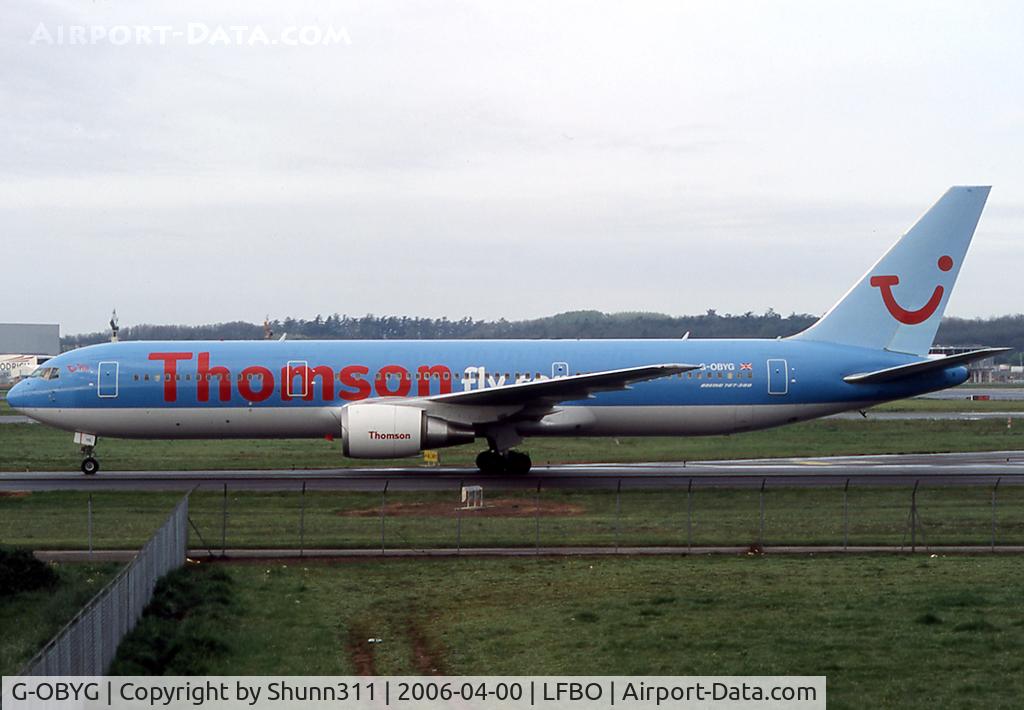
[[90, 465], [88, 443]]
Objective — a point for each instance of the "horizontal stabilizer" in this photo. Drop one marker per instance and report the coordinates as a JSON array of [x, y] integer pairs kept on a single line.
[[917, 368]]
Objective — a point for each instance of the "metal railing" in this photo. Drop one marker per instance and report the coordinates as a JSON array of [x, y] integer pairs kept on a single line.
[[88, 643]]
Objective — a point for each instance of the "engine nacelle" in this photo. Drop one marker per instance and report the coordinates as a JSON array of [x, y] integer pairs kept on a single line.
[[389, 431]]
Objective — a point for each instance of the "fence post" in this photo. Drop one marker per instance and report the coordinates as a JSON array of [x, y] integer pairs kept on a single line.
[[913, 517], [223, 524], [689, 515], [536, 528], [995, 489], [89, 516], [302, 523], [458, 522], [760, 535], [383, 502], [618, 512], [846, 514]]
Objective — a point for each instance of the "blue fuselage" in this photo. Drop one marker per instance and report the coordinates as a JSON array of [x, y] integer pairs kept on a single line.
[[758, 382]]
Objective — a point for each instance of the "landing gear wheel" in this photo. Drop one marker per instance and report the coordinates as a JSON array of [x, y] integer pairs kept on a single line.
[[490, 462], [517, 462], [90, 466]]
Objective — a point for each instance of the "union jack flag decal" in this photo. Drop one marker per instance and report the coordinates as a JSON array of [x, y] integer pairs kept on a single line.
[[746, 366]]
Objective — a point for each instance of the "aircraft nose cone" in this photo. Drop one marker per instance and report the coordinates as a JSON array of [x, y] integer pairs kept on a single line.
[[16, 396]]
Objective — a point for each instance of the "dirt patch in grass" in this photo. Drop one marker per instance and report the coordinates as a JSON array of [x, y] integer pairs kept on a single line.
[[496, 508], [15, 494], [427, 659], [360, 652]]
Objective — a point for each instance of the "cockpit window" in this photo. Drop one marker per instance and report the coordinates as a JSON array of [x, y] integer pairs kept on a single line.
[[46, 373]]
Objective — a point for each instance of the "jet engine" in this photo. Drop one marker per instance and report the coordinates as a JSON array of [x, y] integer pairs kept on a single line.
[[388, 431]]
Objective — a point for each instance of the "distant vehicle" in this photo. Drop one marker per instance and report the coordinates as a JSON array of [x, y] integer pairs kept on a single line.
[[389, 399]]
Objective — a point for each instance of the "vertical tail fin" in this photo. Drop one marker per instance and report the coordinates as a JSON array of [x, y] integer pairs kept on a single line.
[[898, 303]]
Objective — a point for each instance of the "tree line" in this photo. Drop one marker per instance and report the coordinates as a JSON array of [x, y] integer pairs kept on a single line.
[[997, 331]]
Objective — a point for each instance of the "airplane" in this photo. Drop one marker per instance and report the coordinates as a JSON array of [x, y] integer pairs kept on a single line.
[[392, 399]]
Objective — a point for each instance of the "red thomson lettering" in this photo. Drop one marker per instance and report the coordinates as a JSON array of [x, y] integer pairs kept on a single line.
[[404, 381], [306, 376], [205, 373], [326, 376], [439, 372], [348, 377], [249, 375], [170, 372]]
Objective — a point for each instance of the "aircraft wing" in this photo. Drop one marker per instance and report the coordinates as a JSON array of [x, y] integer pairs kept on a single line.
[[539, 396], [916, 368]]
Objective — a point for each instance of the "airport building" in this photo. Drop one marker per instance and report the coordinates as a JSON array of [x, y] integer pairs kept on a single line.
[[24, 346]]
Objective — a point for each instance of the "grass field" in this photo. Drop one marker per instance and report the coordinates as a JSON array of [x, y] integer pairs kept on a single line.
[[33, 447], [58, 520], [29, 619], [887, 631]]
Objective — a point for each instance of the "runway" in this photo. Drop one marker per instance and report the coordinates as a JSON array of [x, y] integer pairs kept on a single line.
[[1015, 393], [976, 469]]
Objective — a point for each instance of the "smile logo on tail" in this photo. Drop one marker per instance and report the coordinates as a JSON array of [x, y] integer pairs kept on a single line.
[[885, 284]]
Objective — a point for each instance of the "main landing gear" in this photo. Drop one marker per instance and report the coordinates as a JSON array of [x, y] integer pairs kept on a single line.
[[515, 462]]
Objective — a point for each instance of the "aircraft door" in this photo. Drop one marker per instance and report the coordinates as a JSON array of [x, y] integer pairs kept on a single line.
[[296, 370], [559, 369], [778, 377], [106, 379]]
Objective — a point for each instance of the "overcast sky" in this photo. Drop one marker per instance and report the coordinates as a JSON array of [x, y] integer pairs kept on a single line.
[[494, 159]]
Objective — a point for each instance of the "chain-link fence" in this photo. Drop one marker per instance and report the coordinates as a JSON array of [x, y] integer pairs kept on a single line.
[[408, 513], [87, 645], [682, 512]]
